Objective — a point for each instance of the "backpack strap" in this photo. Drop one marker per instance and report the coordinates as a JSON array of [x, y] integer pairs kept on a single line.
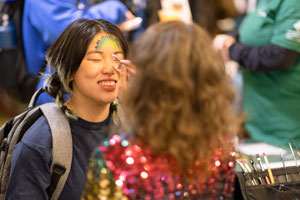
[[62, 148], [35, 97], [9, 141]]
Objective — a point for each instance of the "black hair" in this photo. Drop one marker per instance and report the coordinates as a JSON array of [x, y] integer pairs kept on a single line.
[[67, 52]]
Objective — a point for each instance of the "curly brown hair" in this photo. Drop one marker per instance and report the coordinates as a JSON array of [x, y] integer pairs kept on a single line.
[[180, 103]]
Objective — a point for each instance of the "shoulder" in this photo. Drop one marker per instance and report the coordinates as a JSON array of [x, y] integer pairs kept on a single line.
[[38, 136]]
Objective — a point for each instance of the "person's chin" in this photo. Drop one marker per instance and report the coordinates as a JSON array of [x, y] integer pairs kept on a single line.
[[109, 100]]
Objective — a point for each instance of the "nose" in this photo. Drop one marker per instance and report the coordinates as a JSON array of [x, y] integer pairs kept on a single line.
[[108, 67]]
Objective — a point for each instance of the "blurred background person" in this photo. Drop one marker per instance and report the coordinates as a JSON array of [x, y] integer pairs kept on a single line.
[[44, 20], [209, 14], [267, 49], [180, 108], [205, 13]]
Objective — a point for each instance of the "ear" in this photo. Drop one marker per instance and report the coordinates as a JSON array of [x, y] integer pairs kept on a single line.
[[71, 83]]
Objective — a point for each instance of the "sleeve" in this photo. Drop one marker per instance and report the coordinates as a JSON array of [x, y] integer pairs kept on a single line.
[[234, 34], [267, 58], [285, 31], [29, 175], [51, 17]]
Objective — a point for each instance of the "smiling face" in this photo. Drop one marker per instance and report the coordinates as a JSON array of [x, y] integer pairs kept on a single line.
[[96, 81]]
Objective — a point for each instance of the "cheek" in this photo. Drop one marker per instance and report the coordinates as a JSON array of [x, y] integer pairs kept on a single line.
[[88, 71]]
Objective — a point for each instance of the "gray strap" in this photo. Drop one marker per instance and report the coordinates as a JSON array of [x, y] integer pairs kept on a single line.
[[62, 149], [35, 97], [12, 141]]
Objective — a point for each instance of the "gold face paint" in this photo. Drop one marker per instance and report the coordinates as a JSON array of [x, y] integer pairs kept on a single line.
[[107, 41]]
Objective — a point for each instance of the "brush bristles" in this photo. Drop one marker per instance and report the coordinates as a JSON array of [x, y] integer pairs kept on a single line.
[[243, 155], [257, 157], [250, 157]]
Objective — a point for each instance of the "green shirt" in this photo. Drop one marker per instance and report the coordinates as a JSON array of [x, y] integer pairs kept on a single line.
[[271, 101]]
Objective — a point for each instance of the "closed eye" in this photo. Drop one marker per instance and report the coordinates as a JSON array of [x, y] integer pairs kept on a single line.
[[95, 60]]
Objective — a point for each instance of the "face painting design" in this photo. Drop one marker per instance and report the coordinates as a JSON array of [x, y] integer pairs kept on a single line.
[[107, 41]]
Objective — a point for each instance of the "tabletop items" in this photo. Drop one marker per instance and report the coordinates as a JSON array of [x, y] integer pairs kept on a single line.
[[258, 180]]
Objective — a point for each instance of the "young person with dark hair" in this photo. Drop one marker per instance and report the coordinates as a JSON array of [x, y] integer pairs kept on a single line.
[[87, 71]]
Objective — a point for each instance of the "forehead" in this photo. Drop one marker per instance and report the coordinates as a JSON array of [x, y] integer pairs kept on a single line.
[[104, 40]]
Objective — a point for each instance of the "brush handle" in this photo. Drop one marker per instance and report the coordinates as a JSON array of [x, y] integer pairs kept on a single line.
[[271, 175], [267, 180]]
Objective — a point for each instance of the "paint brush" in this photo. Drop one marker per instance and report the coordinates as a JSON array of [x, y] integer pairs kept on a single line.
[[252, 163], [293, 154], [246, 164], [254, 168], [117, 58], [245, 161], [241, 163], [259, 162], [268, 168], [283, 163], [130, 70], [242, 166], [262, 168], [298, 152]]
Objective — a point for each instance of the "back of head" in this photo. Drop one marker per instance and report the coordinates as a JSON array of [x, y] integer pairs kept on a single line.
[[180, 102]]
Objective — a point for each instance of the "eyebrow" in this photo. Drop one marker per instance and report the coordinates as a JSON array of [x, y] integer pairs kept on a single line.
[[91, 52], [101, 52]]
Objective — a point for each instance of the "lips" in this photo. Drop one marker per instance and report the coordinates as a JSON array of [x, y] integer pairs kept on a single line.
[[108, 84]]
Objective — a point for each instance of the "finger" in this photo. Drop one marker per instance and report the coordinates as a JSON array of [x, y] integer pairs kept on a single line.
[[123, 74], [130, 67], [117, 69], [129, 15], [218, 43], [225, 55], [132, 71], [126, 62]]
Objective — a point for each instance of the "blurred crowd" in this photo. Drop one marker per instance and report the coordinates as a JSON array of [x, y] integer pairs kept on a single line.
[[42, 27]]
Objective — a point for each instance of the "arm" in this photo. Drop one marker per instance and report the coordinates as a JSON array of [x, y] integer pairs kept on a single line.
[[51, 17], [281, 50], [29, 175], [267, 58]]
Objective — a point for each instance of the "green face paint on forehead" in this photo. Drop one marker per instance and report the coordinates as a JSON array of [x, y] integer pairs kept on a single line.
[[107, 41]]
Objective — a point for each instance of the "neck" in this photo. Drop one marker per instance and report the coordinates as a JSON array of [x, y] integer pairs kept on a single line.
[[88, 111]]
